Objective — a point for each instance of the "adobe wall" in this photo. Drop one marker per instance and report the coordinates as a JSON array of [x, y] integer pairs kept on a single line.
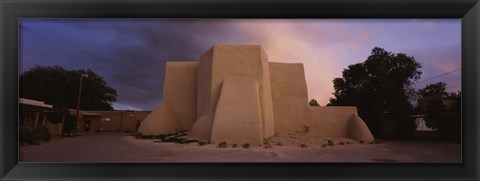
[[238, 117], [203, 125], [55, 130], [234, 94], [358, 130], [290, 96], [134, 124], [226, 60], [113, 121], [162, 120], [329, 121], [131, 120], [101, 122], [266, 100], [178, 108], [337, 121], [180, 90], [204, 82]]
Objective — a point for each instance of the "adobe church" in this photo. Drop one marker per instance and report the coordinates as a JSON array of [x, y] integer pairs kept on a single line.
[[234, 94]]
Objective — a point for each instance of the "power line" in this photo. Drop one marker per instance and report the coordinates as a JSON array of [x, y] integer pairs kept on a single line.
[[434, 77], [453, 86]]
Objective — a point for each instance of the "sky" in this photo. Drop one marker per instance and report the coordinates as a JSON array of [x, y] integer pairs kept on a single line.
[[130, 54]]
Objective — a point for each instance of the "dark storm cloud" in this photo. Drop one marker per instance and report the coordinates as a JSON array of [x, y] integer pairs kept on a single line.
[[141, 50], [130, 54]]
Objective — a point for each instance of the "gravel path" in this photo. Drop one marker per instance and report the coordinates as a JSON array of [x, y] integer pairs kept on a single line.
[[118, 147]]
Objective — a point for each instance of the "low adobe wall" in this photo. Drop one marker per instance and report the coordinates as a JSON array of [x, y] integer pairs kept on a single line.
[[337, 121], [107, 121], [329, 121], [162, 120], [110, 121], [55, 130]]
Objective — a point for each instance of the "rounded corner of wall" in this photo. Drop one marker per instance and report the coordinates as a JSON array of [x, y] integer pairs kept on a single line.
[[359, 130], [162, 120], [202, 128]]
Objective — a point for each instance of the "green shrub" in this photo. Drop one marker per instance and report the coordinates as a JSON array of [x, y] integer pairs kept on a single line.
[[29, 135], [26, 134], [44, 134]]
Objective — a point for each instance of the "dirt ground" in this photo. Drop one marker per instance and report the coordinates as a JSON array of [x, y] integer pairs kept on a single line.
[[120, 147]]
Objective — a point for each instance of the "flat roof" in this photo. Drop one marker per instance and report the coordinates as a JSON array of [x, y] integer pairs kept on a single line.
[[32, 102], [85, 113]]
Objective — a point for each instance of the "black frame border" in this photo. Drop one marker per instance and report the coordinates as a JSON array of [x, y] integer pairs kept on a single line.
[[11, 11]]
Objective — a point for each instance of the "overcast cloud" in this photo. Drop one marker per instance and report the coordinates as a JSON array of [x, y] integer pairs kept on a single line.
[[131, 53]]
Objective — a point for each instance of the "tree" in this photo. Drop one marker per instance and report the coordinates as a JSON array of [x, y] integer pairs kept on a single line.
[[453, 128], [313, 102], [437, 89], [59, 87], [435, 114], [381, 88], [456, 95]]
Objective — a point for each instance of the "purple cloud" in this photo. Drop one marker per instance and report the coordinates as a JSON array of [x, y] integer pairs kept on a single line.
[[131, 53]]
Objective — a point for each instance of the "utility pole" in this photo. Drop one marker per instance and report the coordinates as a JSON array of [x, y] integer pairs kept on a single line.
[[78, 102]]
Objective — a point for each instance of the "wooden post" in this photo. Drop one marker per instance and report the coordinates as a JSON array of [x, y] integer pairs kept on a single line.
[[63, 123], [26, 118], [37, 116], [78, 102], [121, 121], [43, 120]]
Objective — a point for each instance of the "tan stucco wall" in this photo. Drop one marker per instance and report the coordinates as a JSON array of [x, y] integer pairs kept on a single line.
[[266, 99], [203, 126], [55, 130], [290, 96], [97, 124], [180, 90], [162, 120], [178, 109], [124, 121], [226, 60], [337, 121], [281, 93], [330, 121], [131, 119], [238, 118], [204, 82], [358, 130]]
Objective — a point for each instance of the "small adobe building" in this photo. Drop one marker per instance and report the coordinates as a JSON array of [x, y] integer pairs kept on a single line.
[[109, 121], [234, 94]]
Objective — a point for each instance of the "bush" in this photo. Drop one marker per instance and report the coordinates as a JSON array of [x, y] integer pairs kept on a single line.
[[313, 102], [29, 135], [26, 134], [44, 134]]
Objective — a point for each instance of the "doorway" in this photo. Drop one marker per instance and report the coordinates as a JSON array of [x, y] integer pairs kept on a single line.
[[87, 125]]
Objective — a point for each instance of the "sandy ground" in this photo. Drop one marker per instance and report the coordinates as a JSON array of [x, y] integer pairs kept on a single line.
[[118, 147]]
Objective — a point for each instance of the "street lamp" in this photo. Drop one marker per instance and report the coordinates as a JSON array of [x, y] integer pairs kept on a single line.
[[78, 101]]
